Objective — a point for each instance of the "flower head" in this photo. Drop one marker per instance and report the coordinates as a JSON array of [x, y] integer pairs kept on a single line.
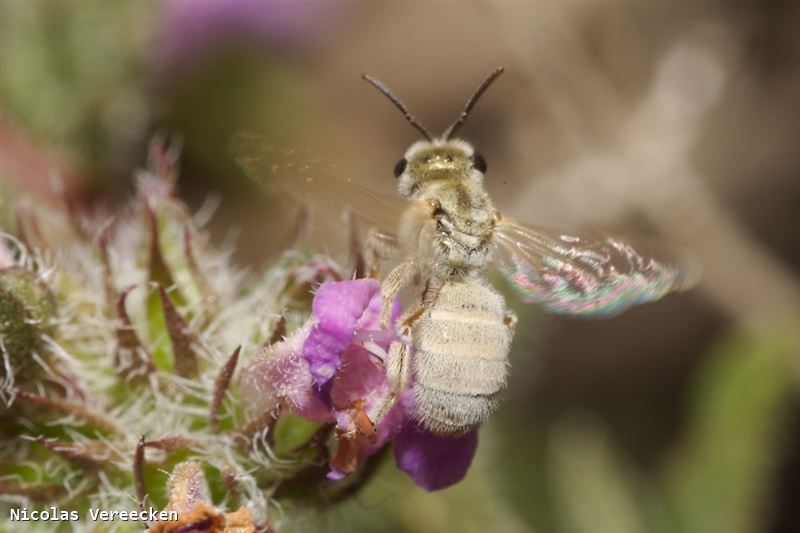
[[194, 30], [189, 497], [330, 370]]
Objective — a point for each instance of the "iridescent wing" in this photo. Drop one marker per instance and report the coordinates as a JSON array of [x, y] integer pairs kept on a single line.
[[588, 273], [313, 181]]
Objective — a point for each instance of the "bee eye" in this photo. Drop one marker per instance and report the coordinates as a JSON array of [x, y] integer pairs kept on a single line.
[[400, 167], [479, 163]]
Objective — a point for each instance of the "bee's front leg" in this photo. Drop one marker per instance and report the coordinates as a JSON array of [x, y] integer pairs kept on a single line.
[[399, 277]]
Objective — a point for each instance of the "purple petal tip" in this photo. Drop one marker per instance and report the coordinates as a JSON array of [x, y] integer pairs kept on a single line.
[[434, 462]]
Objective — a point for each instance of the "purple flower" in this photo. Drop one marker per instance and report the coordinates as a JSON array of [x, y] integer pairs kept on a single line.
[[193, 29], [279, 375], [324, 372], [433, 461], [340, 310]]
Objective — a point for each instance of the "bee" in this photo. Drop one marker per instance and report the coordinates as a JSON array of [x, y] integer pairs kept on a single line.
[[455, 338]]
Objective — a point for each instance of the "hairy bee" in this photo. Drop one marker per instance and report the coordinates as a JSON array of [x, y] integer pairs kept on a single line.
[[456, 337]]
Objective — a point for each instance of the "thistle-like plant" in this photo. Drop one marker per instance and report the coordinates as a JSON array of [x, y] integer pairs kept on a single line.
[[140, 370]]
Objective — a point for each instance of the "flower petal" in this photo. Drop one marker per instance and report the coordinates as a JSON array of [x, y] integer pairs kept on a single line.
[[432, 461], [338, 308], [387, 429], [361, 377], [280, 374]]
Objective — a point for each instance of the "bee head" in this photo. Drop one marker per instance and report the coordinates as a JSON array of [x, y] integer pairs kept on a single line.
[[426, 162], [439, 158]]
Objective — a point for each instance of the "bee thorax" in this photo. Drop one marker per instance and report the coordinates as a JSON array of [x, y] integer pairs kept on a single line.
[[464, 225]]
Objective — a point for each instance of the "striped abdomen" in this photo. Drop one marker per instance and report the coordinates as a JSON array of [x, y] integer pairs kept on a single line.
[[460, 362]]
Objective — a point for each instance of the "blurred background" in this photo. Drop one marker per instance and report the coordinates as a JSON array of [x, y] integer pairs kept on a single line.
[[676, 120]]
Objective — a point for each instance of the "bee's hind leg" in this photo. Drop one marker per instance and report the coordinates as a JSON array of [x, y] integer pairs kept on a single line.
[[398, 370], [398, 359], [510, 320]]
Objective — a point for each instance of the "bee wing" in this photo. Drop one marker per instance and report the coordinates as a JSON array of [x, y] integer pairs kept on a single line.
[[588, 273], [312, 181]]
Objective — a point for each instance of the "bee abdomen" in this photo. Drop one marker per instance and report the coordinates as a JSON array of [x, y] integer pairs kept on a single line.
[[446, 413], [460, 362]]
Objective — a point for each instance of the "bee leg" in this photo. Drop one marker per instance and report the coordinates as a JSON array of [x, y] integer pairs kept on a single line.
[[398, 362], [378, 246], [398, 365], [402, 275], [510, 320]]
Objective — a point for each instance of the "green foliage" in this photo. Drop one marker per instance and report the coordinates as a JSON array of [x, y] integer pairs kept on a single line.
[[27, 313], [720, 478], [594, 489], [134, 334], [72, 75]]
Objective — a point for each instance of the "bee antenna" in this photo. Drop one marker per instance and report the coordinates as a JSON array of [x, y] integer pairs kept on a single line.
[[449, 132], [398, 104]]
